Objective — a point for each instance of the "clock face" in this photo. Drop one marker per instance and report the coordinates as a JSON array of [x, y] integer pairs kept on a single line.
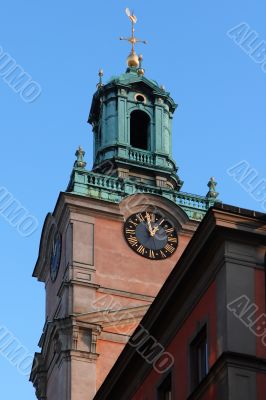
[[55, 255], [151, 235]]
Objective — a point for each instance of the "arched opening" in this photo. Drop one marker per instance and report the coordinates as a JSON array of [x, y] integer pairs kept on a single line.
[[139, 129]]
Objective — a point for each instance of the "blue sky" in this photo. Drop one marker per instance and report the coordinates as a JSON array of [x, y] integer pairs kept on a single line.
[[221, 119]]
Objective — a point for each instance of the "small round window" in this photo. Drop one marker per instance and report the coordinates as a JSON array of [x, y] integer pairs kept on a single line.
[[140, 98]]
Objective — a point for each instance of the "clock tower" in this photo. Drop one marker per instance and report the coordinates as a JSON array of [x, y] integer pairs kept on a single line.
[[114, 235]]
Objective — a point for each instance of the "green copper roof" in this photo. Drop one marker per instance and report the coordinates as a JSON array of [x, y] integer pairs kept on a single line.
[[131, 76]]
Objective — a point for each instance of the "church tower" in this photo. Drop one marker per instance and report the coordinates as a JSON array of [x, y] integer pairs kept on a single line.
[[114, 235]]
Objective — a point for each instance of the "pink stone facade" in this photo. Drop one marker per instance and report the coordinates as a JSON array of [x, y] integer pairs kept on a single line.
[[101, 293]]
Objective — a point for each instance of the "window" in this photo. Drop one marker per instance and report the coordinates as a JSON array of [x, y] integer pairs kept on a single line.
[[140, 98], [165, 389], [139, 129], [199, 357]]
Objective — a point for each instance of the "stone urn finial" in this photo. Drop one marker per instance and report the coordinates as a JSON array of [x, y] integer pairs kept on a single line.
[[212, 194], [80, 163]]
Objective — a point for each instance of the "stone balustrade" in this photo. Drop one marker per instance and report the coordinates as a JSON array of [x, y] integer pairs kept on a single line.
[[141, 156], [114, 189]]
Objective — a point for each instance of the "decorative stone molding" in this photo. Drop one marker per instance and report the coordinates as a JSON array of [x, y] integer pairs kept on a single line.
[[38, 377]]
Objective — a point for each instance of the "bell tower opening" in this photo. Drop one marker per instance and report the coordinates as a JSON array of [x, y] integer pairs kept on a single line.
[[139, 129]]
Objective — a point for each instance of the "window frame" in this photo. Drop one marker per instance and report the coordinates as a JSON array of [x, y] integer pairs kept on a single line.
[[163, 384], [194, 344]]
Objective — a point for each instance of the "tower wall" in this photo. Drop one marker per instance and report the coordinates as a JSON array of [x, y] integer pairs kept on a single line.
[[102, 291]]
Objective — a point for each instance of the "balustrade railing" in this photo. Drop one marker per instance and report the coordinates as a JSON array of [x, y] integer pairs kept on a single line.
[[190, 200], [141, 156], [127, 187], [103, 181]]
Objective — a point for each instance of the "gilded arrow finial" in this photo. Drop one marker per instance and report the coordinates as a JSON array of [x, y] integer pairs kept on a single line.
[[133, 59]]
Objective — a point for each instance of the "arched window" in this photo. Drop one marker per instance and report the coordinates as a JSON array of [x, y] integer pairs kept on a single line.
[[139, 129]]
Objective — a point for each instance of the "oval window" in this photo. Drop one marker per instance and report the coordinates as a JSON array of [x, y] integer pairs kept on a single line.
[[140, 98]]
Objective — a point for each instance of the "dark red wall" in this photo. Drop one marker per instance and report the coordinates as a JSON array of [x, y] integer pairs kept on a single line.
[[179, 348]]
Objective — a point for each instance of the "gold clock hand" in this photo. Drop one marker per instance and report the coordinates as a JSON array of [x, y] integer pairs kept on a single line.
[[155, 229], [149, 223]]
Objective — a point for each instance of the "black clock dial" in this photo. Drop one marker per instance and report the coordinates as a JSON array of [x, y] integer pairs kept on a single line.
[[55, 256], [151, 235]]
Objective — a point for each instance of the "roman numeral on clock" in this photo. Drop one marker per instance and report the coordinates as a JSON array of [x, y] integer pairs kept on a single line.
[[172, 240], [130, 231], [152, 217], [162, 254], [141, 249], [169, 230], [151, 254], [132, 222], [169, 248], [132, 240], [140, 217]]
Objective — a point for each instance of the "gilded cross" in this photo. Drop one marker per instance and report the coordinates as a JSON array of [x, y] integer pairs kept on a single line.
[[133, 40]]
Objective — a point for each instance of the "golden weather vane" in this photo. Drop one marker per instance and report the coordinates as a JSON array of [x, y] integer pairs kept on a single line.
[[132, 60]]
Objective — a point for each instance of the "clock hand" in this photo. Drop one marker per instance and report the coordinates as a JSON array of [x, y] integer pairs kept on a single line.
[[156, 227], [149, 224]]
